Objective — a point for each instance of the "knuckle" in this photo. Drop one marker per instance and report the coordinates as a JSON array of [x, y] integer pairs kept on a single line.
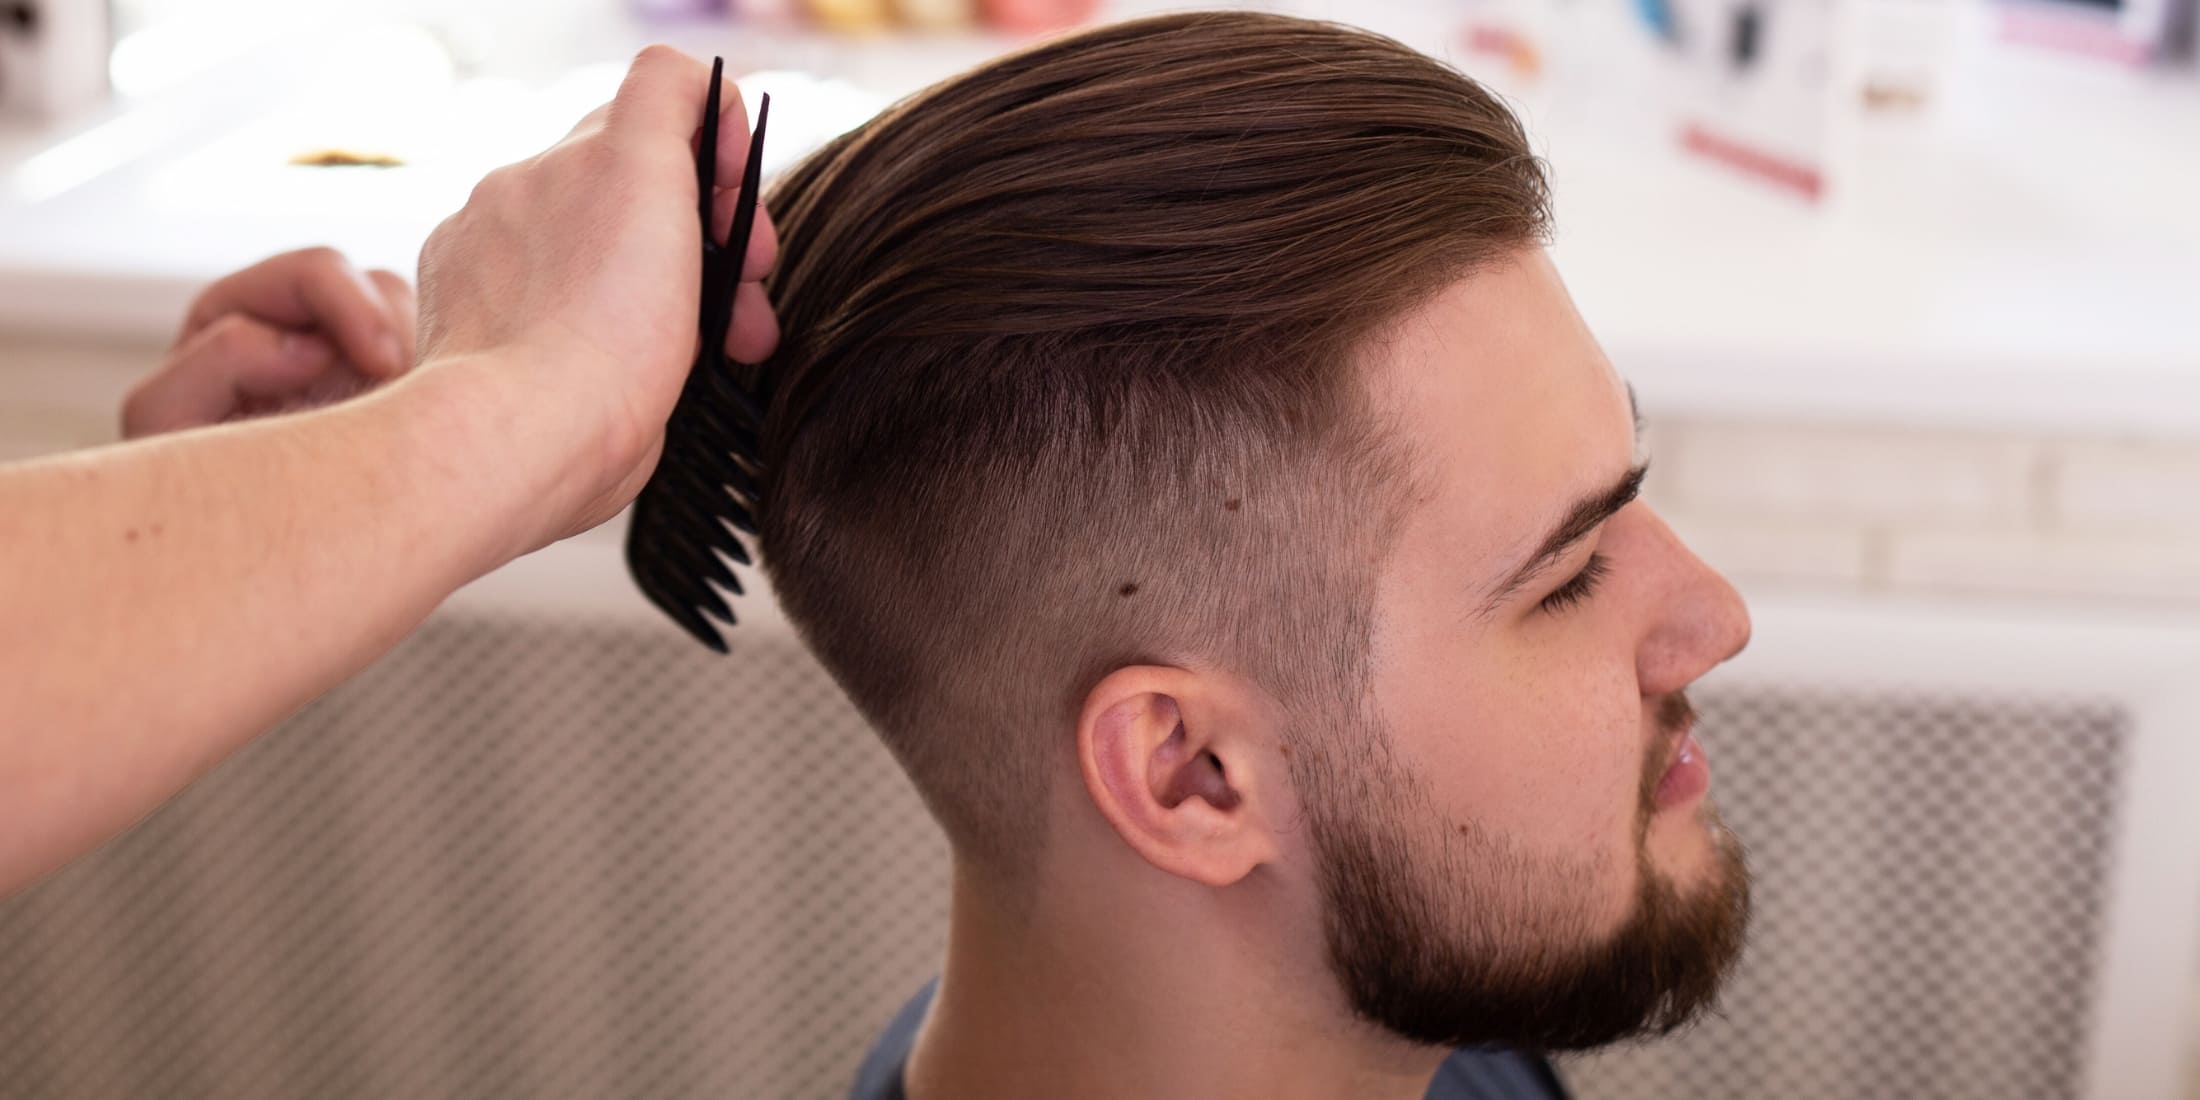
[[442, 232], [320, 257], [433, 249], [656, 53], [487, 189], [389, 282], [133, 402], [326, 270], [224, 327], [228, 335], [507, 187], [194, 315]]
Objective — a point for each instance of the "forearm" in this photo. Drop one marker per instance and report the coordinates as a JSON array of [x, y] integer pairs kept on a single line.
[[161, 603]]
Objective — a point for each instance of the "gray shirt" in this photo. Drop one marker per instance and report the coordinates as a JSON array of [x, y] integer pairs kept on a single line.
[[1469, 1074]]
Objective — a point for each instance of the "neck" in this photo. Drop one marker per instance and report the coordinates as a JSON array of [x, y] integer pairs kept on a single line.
[[1133, 983]]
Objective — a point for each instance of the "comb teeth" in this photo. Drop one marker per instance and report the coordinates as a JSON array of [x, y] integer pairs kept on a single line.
[[707, 484]]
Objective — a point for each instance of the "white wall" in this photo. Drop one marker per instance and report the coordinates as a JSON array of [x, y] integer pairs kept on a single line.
[[1900, 509]]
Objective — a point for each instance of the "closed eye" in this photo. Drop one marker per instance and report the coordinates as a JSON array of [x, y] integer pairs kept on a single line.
[[1576, 591]]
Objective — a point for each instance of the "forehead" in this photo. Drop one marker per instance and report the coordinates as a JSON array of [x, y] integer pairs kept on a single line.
[[1508, 411]]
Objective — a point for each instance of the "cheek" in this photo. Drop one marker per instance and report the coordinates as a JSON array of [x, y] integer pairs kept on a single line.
[[1544, 753]]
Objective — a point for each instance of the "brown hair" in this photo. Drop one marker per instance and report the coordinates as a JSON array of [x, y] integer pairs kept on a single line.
[[1068, 382]]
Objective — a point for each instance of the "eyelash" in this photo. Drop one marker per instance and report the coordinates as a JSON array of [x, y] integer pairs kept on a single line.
[[1579, 589]]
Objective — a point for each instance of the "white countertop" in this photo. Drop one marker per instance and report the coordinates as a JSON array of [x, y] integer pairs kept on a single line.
[[2031, 260]]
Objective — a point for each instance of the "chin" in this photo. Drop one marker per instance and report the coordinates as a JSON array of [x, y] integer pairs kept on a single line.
[[1686, 845]]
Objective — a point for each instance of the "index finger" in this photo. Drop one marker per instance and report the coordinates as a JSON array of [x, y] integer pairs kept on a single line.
[[664, 96]]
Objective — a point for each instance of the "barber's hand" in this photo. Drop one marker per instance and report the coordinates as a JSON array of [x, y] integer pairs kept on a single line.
[[300, 330], [574, 278]]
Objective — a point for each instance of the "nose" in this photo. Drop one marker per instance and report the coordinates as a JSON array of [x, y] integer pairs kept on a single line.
[[1698, 620]]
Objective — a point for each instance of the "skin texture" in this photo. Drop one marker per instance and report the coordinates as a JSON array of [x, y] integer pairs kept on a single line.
[[1535, 725], [1511, 878], [169, 598], [1180, 911]]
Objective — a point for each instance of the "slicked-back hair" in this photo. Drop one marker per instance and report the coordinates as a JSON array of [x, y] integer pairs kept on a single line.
[[1070, 378]]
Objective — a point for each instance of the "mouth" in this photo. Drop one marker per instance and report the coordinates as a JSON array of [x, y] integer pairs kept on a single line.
[[1687, 775]]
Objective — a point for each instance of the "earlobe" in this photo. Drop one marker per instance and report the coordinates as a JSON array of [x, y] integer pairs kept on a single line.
[[1155, 753]]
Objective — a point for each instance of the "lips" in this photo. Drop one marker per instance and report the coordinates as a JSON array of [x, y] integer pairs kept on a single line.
[[1677, 722], [1687, 778]]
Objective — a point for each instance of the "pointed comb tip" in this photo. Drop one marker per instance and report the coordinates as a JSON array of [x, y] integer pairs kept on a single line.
[[706, 144], [703, 632]]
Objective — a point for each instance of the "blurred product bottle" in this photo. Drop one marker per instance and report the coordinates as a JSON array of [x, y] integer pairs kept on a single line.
[[936, 14], [859, 16], [1037, 15]]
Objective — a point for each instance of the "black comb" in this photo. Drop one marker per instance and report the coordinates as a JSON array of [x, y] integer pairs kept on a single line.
[[709, 476]]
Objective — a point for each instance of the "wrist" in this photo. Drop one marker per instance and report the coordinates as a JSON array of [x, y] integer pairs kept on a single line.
[[492, 453]]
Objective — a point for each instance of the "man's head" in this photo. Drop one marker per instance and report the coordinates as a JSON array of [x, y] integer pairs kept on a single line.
[[1170, 425]]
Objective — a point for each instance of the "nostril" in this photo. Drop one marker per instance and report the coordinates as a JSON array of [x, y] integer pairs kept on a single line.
[[20, 17]]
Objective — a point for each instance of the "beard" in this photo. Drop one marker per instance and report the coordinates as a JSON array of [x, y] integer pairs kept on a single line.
[[1458, 940]]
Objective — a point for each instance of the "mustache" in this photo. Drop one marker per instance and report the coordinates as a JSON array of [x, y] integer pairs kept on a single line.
[[1675, 715]]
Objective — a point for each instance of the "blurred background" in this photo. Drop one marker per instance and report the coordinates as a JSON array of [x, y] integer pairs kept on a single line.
[[1910, 290]]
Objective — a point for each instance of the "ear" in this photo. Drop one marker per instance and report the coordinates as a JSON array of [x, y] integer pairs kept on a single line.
[[1170, 761]]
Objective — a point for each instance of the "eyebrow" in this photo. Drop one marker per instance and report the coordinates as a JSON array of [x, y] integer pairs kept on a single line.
[[1578, 522]]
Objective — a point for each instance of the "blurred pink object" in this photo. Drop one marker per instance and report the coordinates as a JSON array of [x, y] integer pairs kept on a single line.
[[677, 9], [773, 12], [2085, 32], [1036, 15]]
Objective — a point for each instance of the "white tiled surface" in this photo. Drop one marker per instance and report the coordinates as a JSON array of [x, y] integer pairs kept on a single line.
[[2129, 485], [1786, 472], [1810, 553], [1941, 511], [2157, 569]]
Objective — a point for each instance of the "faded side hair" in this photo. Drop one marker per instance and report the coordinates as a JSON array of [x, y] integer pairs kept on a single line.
[[1068, 378]]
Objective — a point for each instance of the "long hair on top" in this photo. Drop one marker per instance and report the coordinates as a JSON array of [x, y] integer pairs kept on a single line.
[[1069, 377]]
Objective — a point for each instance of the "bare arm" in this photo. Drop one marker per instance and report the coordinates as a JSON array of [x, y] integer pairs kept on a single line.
[[168, 599], [164, 601]]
